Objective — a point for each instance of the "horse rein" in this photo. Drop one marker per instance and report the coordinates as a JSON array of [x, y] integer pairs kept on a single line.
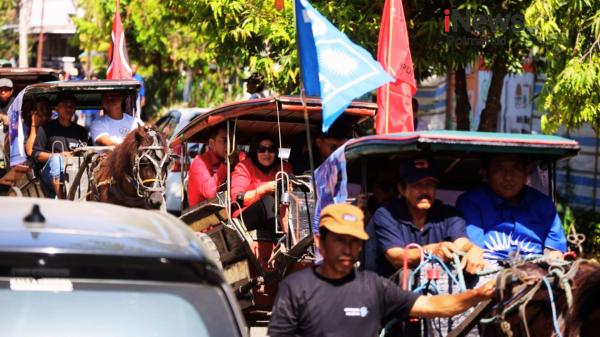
[[508, 276], [156, 155]]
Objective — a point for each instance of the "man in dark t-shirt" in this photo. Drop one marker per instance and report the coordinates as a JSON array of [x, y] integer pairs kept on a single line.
[[56, 140], [333, 299]]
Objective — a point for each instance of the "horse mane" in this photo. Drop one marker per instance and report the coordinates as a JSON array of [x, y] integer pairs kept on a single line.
[[122, 158], [585, 303]]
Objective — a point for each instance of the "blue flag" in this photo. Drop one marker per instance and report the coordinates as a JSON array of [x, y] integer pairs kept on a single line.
[[332, 66], [17, 131]]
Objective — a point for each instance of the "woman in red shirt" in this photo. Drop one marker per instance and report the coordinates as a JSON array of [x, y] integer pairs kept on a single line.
[[253, 184]]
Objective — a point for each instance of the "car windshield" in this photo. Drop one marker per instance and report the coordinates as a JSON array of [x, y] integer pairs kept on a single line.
[[63, 307]]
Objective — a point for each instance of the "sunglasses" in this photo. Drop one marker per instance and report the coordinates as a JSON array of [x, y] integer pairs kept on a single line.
[[263, 149]]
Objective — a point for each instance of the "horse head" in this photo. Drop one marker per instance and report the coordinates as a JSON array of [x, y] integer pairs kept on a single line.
[[150, 164], [143, 158]]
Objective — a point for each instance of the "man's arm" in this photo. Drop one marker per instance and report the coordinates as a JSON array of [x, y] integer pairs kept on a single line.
[[556, 241], [450, 305], [473, 261], [206, 182], [31, 140], [105, 140]]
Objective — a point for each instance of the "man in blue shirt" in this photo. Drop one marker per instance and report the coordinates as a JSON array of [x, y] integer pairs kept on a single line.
[[505, 216], [417, 217]]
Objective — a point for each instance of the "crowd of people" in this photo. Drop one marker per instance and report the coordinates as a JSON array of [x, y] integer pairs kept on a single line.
[[52, 132], [503, 208], [484, 226], [488, 224]]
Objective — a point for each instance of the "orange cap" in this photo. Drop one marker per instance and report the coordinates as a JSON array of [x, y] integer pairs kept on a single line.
[[344, 219]]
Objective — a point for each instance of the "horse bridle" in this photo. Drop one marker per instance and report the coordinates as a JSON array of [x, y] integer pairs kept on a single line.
[[156, 155]]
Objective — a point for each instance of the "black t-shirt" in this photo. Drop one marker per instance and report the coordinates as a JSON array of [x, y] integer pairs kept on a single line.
[[308, 304], [53, 137]]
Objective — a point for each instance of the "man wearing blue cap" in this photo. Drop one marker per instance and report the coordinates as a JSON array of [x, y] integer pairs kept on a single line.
[[417, 217]]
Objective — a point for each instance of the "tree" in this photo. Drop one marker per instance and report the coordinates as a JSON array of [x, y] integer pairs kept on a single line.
[[569, 43], [8, 36], [435, 51]]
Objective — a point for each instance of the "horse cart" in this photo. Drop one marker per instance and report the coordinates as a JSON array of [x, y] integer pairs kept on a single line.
[[255, 283], [21, 78], [536, 296], [23, 179]]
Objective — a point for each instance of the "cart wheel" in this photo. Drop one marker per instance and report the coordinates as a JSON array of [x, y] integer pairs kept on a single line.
[[210, 248]]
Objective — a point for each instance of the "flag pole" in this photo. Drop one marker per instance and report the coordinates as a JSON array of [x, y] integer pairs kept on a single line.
[[305, 109], [389, 60], [311, 162]]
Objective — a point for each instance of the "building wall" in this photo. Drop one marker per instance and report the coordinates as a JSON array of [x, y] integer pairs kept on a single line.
[[577, 177]]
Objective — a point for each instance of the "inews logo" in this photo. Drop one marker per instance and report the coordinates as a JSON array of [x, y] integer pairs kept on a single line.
[[455, 20]]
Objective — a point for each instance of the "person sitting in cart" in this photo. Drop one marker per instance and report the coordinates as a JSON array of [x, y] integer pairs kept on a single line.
[[111, 129], [506, 216], [334, 299], [253, 184], [208, 170], [417, 217], [56, 140], [324, 145], [40, 115]]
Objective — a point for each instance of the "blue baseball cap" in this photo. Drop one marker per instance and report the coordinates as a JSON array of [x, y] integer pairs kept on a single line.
[[413, 170]]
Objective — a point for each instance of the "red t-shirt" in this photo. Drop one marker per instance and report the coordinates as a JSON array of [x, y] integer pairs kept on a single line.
[[247, 177], [207, 173]]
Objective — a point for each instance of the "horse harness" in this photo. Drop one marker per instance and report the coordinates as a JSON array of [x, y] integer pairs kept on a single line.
[[154, 154], [555, 274]]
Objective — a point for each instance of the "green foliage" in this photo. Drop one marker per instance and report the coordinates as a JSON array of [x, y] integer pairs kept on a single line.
[[568, 34], [585, 222], [220, 41], [8, 37]]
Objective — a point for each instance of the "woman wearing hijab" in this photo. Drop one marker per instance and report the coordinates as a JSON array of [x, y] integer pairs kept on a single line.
[[253, 185]]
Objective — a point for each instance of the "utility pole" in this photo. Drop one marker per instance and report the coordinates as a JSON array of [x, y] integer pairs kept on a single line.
[[40, 50], [24, 14]]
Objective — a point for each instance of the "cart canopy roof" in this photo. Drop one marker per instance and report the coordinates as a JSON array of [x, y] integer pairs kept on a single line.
[[88, 94], [22, 77], [261, 115], [462, 143]]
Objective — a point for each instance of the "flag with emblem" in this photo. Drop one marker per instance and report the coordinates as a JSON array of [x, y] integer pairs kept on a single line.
[[332, 66], [118, 61]]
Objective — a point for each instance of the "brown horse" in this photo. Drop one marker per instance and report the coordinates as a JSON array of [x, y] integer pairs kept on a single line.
[[542, 300], [134, 173]]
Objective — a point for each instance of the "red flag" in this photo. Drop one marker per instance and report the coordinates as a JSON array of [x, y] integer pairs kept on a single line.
[[394, 100], [118, 61]]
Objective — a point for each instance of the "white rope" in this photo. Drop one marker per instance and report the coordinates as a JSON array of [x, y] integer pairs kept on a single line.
[[280, 166], [230, 151]]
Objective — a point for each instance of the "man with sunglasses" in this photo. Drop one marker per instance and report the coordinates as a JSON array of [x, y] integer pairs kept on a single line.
[[113, 127]]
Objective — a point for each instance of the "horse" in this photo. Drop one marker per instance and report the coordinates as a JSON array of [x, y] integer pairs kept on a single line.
[[134, 173], [544, 299]]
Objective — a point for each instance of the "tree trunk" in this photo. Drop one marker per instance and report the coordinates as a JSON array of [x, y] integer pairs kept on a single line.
[[489, 115], [463, 107]]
